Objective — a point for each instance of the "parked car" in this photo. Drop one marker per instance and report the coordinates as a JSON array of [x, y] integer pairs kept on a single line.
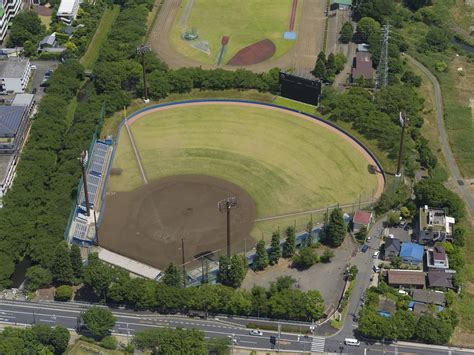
[[365, 247], [33, 67], [376, 254], [256, 332], [375, 268]]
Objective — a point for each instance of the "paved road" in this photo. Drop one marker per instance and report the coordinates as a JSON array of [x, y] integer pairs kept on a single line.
[[448, 154]]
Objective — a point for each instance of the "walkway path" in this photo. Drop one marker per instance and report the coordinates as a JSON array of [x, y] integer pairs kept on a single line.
[[302, 57], [448, 154]]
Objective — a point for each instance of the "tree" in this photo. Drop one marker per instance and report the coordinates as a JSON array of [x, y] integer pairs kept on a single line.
[[62, 268], [171, 341], [459, 236], [405, 212], [218, 346], [336, 228], [437, 39], [305, 258], [330, 68], [60, 339], [368, 27], [275, 252], [432, 331], [26, 26], [328, 254], [99, 321], [261, 256], [232, 270], [98, 276], [435, 194], [352, 273], [76, 261], [411, 78], [393, 219], [320, 67], [396, 262], [38, 277], [417, 4], [289, 247], [361, 235], [63, 293], [346, 32], [172, 276], [314, 304]]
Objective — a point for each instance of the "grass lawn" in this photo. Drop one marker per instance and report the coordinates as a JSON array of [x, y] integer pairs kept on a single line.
[[245, 21], [108, 18], [82, 347], [286, 163], [295, 105]]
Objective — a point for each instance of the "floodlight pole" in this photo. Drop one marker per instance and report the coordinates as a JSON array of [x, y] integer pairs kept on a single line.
[[227, 204], [83, 161], [182, 259], [144, 48], [404, 123], [96, 230]]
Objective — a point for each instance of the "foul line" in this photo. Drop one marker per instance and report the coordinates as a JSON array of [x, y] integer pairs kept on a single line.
[[137, 156]]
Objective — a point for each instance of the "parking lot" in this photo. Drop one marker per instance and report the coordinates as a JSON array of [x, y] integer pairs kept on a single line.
[[42, 66]]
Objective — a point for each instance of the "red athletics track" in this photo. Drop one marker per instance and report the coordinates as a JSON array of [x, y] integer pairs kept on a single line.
[[294, 5]]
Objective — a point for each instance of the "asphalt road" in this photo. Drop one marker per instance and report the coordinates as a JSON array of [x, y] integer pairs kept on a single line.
[[448, 154]]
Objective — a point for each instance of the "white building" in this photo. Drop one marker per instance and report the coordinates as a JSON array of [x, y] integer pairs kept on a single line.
[[8, 10], [14, 75], [67, 11]]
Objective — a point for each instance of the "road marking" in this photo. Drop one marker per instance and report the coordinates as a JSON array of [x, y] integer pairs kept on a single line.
[[317, 345], [43, 314], [248, 342], [47, 320]]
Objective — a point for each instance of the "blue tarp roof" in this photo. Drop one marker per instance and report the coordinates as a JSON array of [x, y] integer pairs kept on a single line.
[[411, 251]]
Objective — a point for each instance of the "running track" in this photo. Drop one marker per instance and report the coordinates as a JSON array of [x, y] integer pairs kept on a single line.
[[294, 5]]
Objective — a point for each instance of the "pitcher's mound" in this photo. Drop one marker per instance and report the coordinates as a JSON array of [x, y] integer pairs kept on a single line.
[[253, 54], [147, 224]]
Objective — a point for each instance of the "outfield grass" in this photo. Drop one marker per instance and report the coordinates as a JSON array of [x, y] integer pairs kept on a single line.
[[295, 105], [108, 18], [286, 163], [245, 21]]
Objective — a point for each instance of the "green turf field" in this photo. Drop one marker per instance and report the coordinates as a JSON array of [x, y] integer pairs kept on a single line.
[[245, 21], [286, 163]]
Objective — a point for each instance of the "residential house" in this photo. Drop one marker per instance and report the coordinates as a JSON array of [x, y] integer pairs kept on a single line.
[[341, 4], [361, 218], [362, 66], [8, 10], [50, 44], [429, 297], [411, 253], [67, 11], [406, 278], [440, 279], [436, 258], [392, 248], [14, 75], [434, 226]]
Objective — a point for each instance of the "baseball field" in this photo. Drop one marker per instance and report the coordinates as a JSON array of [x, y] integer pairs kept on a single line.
[[244, 23], [274, 161]]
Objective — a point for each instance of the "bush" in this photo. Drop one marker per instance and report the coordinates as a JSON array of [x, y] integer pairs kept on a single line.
[[63, 293], [109, 342], [305, 258]]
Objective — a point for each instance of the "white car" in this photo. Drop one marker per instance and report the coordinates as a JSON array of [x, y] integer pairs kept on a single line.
[[33, 67], [376, 254], [256, 332]]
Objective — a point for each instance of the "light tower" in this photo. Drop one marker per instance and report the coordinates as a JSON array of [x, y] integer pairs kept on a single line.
[[84, 157], [382, 68], [144, 48], [404, 123], [226, 205]]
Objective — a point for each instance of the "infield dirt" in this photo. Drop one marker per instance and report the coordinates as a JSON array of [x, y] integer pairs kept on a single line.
[[147, 224]]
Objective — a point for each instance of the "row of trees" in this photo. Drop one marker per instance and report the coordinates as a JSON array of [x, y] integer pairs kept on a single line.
[[37, 339], [326, 68], [280, 301]]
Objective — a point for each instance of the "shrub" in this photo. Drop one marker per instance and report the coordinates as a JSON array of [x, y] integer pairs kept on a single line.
[[63, 293], [109, 342]]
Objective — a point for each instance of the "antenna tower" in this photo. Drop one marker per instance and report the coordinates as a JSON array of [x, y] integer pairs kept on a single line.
[[382, 69]]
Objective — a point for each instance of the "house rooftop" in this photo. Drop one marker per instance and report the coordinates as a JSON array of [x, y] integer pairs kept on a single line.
[[439, 253], [10, 119], [440, 278], [363, 47], [392, 243], [435, 219], [362, 217], [412, 251], [406, 277], [13, 67], [66, 7], [363, 66], [428, 296], [23, 99], [342, 2]]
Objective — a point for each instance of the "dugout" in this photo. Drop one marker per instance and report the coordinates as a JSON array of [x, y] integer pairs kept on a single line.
[[303, 87]]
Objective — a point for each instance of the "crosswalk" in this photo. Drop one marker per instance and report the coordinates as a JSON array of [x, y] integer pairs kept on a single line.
[[317, 345]]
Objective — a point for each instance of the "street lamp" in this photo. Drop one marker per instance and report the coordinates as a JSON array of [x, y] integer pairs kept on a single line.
[[144, 48]]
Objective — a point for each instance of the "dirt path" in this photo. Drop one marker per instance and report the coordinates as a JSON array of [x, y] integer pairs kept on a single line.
[[302, 57]]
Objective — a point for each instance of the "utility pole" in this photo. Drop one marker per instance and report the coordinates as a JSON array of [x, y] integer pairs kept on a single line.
[[404, 123], [144, 48], [382, 68], [182, 259], [83, 161], [96, 242], [227, 204]]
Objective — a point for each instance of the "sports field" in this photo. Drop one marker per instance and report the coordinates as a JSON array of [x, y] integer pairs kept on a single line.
[[245, 22], [284, 162], [195, 154]]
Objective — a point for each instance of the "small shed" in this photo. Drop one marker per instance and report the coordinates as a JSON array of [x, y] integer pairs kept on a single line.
[[361, 218]]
